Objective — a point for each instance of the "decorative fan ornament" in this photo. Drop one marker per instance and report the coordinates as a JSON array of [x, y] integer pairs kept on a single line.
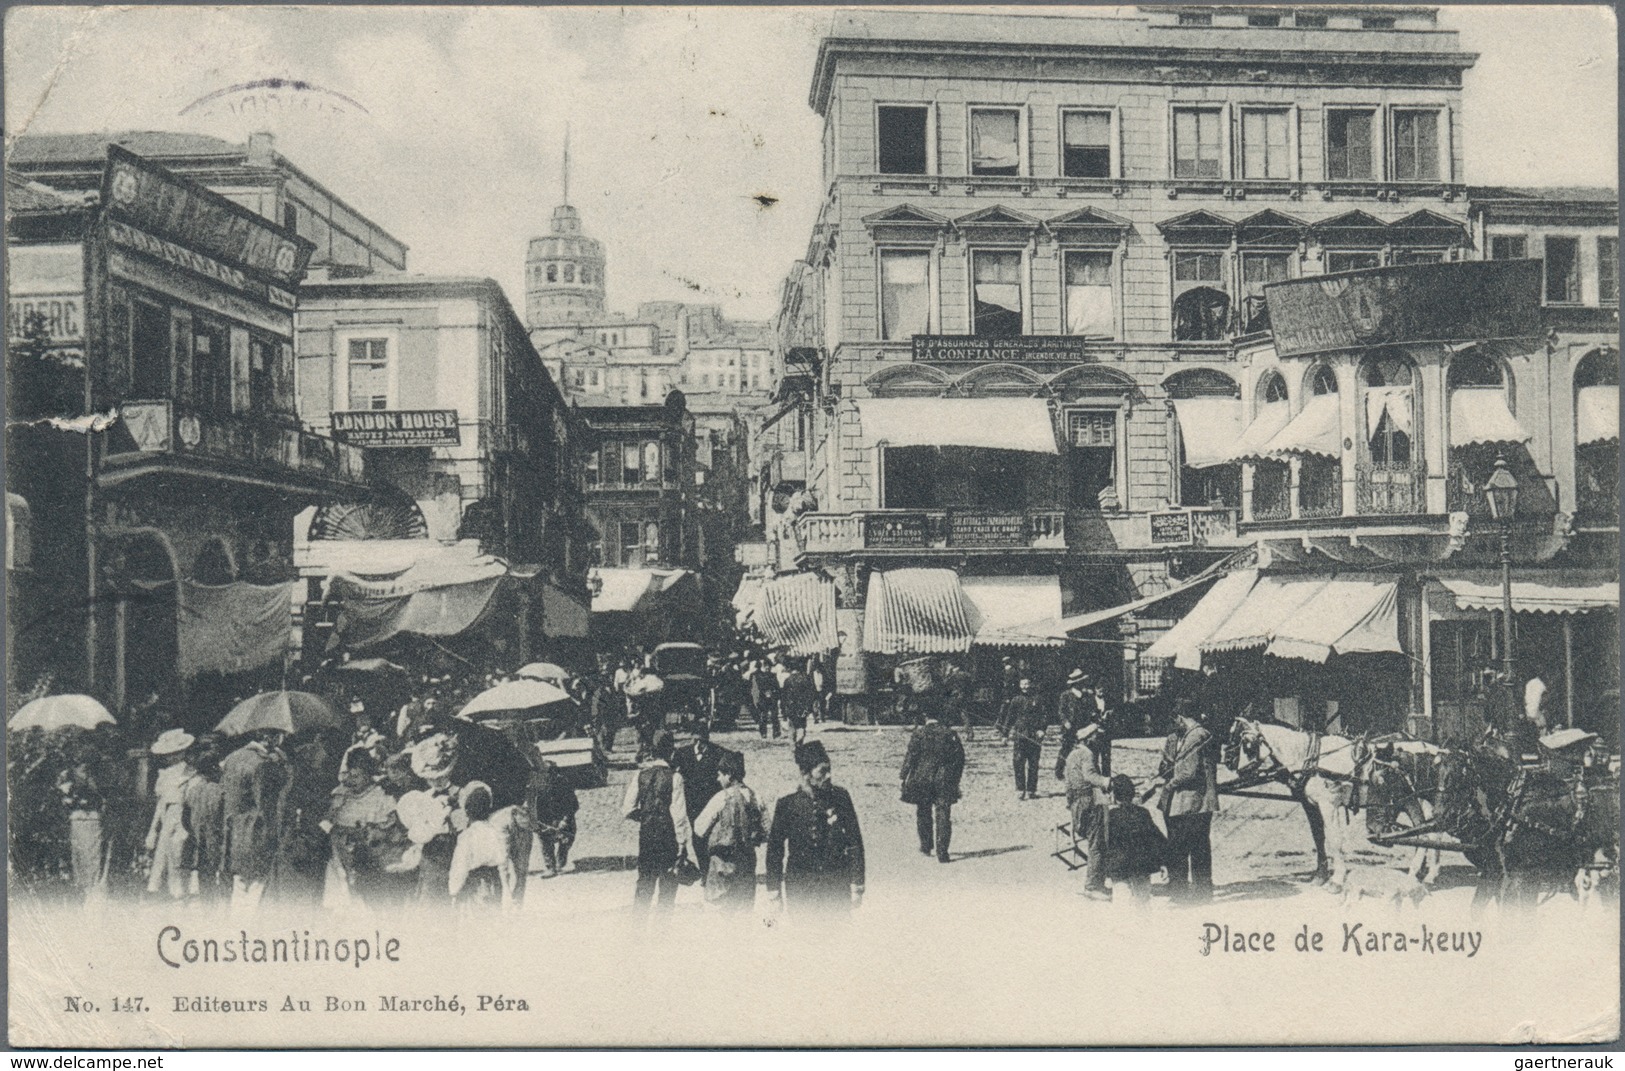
[[369, 520]]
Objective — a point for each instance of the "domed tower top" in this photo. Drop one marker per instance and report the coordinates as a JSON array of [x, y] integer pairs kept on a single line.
[[564, 270]]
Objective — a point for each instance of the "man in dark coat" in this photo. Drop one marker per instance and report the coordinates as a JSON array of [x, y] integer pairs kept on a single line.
[[254, 778], [957, 690], [1023, 719], [815, 848], [1189, 797], [698, 762], [932, 767], [1077, 707], [798, 698], [1134, 847]]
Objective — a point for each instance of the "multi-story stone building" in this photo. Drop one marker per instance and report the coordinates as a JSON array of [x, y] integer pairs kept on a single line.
[[154, 320], [1033, 312], [472, 447]]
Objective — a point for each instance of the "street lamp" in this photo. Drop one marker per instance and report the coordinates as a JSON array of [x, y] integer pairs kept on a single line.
[[1501, 493]]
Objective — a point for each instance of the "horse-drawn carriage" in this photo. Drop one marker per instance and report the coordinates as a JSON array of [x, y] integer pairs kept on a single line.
[[1527, 820], [686, 691]]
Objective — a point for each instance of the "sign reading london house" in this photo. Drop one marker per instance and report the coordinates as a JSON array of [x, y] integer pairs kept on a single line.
[[1063, 348], [1459, 302], [386, 428]]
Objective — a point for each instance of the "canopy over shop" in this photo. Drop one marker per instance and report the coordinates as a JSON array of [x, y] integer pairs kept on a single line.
[[644, 605]]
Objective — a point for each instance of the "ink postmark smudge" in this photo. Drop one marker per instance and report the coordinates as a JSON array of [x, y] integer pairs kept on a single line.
[[275, 94]]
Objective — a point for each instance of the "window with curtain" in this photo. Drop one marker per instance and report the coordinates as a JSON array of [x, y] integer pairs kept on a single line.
[[1258, 270], [1092, 459], [1197, 142], [995, 141], [1416, 146], [589, 466], [1348, 144], [631, 464], [369, 373], [1201, 303], [905, 294], [1086, 150], [631, 548], [1389, 413], [996, 301], [1265, 144], [1089, 308], [651, 462]]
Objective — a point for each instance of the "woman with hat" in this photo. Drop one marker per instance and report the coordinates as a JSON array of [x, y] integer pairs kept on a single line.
[[814, 848], [166, 837], [429, 814]]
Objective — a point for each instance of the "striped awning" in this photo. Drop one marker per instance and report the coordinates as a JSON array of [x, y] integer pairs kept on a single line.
[[1003, 605], [747, 601], [798, 613], [1313, 618], [1596, 415], [916, 611], [1548, 595], [1180, 642]]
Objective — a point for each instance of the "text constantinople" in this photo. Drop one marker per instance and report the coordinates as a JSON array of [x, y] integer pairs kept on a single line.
[[178, 950]]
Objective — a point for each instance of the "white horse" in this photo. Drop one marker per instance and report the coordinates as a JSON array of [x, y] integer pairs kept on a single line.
[[1320, 770]]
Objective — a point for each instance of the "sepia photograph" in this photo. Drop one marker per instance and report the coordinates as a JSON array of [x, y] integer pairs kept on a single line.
[[743, 527]]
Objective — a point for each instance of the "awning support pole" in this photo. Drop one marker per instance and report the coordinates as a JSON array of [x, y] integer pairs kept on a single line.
[[1568, 670]]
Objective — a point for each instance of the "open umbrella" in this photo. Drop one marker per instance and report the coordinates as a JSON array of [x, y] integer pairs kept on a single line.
[[290, 712], [61, 712], [545, 671], [368, 665], [512, 696], [647, 684]]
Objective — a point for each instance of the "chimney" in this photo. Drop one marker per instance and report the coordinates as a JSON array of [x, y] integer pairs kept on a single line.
[[261, 148]]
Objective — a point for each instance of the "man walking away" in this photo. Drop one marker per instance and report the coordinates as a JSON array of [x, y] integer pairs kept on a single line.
[[655, 800], [932, 768], [958, 698], [1023, 719], [1189, 797], [799, 698]]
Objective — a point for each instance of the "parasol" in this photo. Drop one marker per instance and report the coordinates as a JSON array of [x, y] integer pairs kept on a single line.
[[291, 712], [368, 665], [511, 696], [61, 712], [645, 685], [545, 671]]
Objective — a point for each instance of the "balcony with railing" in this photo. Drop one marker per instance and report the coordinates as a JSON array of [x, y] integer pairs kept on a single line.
[[1389, 491], [241, 444]]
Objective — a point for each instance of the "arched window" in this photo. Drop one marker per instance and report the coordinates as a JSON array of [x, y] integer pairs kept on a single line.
[[1322, 381], [1272, 388], [1389, 476], [569, 273], [552, 273], [1596, 436]]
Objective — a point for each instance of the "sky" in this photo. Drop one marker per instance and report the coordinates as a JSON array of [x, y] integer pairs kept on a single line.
[[445, 125]]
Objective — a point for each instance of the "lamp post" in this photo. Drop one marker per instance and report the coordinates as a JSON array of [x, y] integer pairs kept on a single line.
[[1501, 493]]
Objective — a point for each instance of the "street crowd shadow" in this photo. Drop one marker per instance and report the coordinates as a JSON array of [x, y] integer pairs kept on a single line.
[[988, 852], [598, 864], [1257, 889]]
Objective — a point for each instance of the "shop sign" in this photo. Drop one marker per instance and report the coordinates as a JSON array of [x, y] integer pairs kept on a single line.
[[195, 220], [1467, 301], [978, 528], [397, 428], [894, 530], [1066, 349], [1172, 529]]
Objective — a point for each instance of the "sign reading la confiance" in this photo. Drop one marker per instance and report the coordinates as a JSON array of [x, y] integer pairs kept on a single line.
[[397, 428]]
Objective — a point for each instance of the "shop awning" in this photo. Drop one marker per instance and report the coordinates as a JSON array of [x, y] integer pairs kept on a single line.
[[1266, 425], [1350, 615], [798, 612], [446, 610], [1480, 415], [624, 591], [229, 628], [992, 423], [563, 615], [1209, 428], [1315, 430], [916, 611], [1272, 601], [747, 600], [1180, 643], [1548, 595], [1596, 415], [1002, 605]]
